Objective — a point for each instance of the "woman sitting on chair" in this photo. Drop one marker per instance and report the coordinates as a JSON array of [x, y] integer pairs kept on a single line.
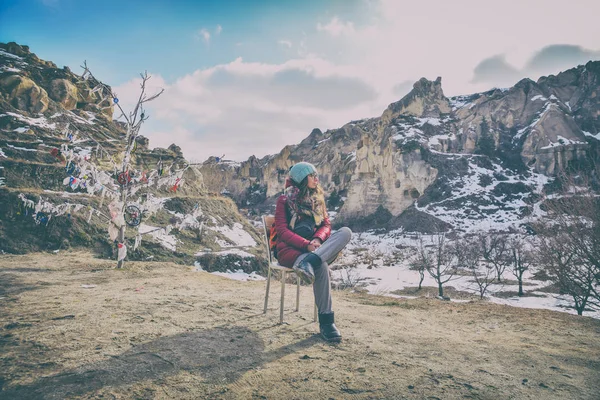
[[304, 239]]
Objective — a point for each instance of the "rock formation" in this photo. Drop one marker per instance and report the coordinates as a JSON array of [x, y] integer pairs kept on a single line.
[[391, 161], [46, 113]]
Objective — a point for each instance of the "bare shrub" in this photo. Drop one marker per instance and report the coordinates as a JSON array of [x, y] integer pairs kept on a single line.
[[349, 279]]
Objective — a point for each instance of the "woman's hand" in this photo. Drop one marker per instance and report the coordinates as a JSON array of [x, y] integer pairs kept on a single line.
[[316, 243]]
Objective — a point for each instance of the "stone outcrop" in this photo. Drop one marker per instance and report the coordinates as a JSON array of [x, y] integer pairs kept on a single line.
[[24, 94], [29, 83], [553, 141], [64, 92], [426, 99]]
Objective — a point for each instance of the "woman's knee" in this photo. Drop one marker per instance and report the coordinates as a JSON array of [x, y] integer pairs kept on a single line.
[[346, 232]]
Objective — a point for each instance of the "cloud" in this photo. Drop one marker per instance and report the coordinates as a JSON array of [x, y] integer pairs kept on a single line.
[[353, 67], [285, 43], [495, 70], [129, 92], [243, 108], [559, 57], [204, 35], [337, 27], [393, 41], [549, 60], [218, 30]]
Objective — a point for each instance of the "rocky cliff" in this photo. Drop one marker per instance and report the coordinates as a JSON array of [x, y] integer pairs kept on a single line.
[[61, 153], [430, 161]]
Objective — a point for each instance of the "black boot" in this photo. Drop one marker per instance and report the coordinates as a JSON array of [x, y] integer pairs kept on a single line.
[[329, 331], [305, 269]]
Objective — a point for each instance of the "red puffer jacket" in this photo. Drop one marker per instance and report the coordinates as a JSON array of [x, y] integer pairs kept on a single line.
[[289, 244]]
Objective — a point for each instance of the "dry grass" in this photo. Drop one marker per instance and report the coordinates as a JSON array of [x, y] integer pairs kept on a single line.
[[163, 331], [432, 292]]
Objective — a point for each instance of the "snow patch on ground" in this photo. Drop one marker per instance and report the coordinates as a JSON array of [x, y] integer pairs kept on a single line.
[[77, 118], [236, 234], [430, 121], [562, 141], [525, 130], [481, 209], [383, 268], [435, 140], [596, 136], [160, 235], [20, 148], [10, 69], [240, 275], [459, 102], [539, 97], [10, 55], [42, 122], [237, 252]]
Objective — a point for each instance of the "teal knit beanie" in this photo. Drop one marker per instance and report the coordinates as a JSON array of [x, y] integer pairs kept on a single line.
[[302, 170]]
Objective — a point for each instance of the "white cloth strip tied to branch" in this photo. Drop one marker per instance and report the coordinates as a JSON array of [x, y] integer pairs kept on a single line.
[[102, 196], [138, 241], [113, 231], [26, 202], [122, 252]]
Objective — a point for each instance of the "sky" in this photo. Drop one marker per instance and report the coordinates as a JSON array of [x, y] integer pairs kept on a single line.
[[246, 78]]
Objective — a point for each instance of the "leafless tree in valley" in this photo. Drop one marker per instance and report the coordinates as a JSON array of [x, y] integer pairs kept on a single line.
[[470, 256], [521, 259], [495, 252]]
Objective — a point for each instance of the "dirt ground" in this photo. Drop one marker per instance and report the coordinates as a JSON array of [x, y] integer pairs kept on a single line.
[[163, 331]]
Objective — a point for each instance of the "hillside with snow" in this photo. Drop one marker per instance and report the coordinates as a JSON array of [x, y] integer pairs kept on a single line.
[[62, 175]]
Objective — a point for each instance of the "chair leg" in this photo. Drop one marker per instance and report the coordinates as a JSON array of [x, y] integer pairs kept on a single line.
[[316, 312], [268, 287], [297, 293], [282, 297]]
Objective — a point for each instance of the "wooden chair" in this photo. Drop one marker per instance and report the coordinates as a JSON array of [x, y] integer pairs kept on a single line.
[[267, 221]]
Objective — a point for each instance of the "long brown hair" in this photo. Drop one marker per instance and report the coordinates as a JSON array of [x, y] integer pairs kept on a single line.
[[316, 193]]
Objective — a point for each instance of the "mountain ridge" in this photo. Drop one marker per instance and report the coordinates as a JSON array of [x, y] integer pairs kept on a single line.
[[534, 130]]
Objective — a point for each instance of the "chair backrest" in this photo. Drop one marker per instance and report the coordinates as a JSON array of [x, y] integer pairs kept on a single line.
[[268, 220]]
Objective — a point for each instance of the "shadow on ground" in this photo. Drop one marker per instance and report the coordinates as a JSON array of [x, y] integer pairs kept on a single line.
[[219, 355], [12, 285]]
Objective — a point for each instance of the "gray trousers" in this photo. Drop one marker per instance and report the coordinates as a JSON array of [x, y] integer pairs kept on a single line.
[[327, 252]]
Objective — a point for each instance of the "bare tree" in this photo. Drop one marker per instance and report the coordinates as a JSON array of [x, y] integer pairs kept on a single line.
[[422, 261], [566, 269], [470, 254], [495, 252], [570, 240], [133, 122], [444, 262], [521, 260]]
